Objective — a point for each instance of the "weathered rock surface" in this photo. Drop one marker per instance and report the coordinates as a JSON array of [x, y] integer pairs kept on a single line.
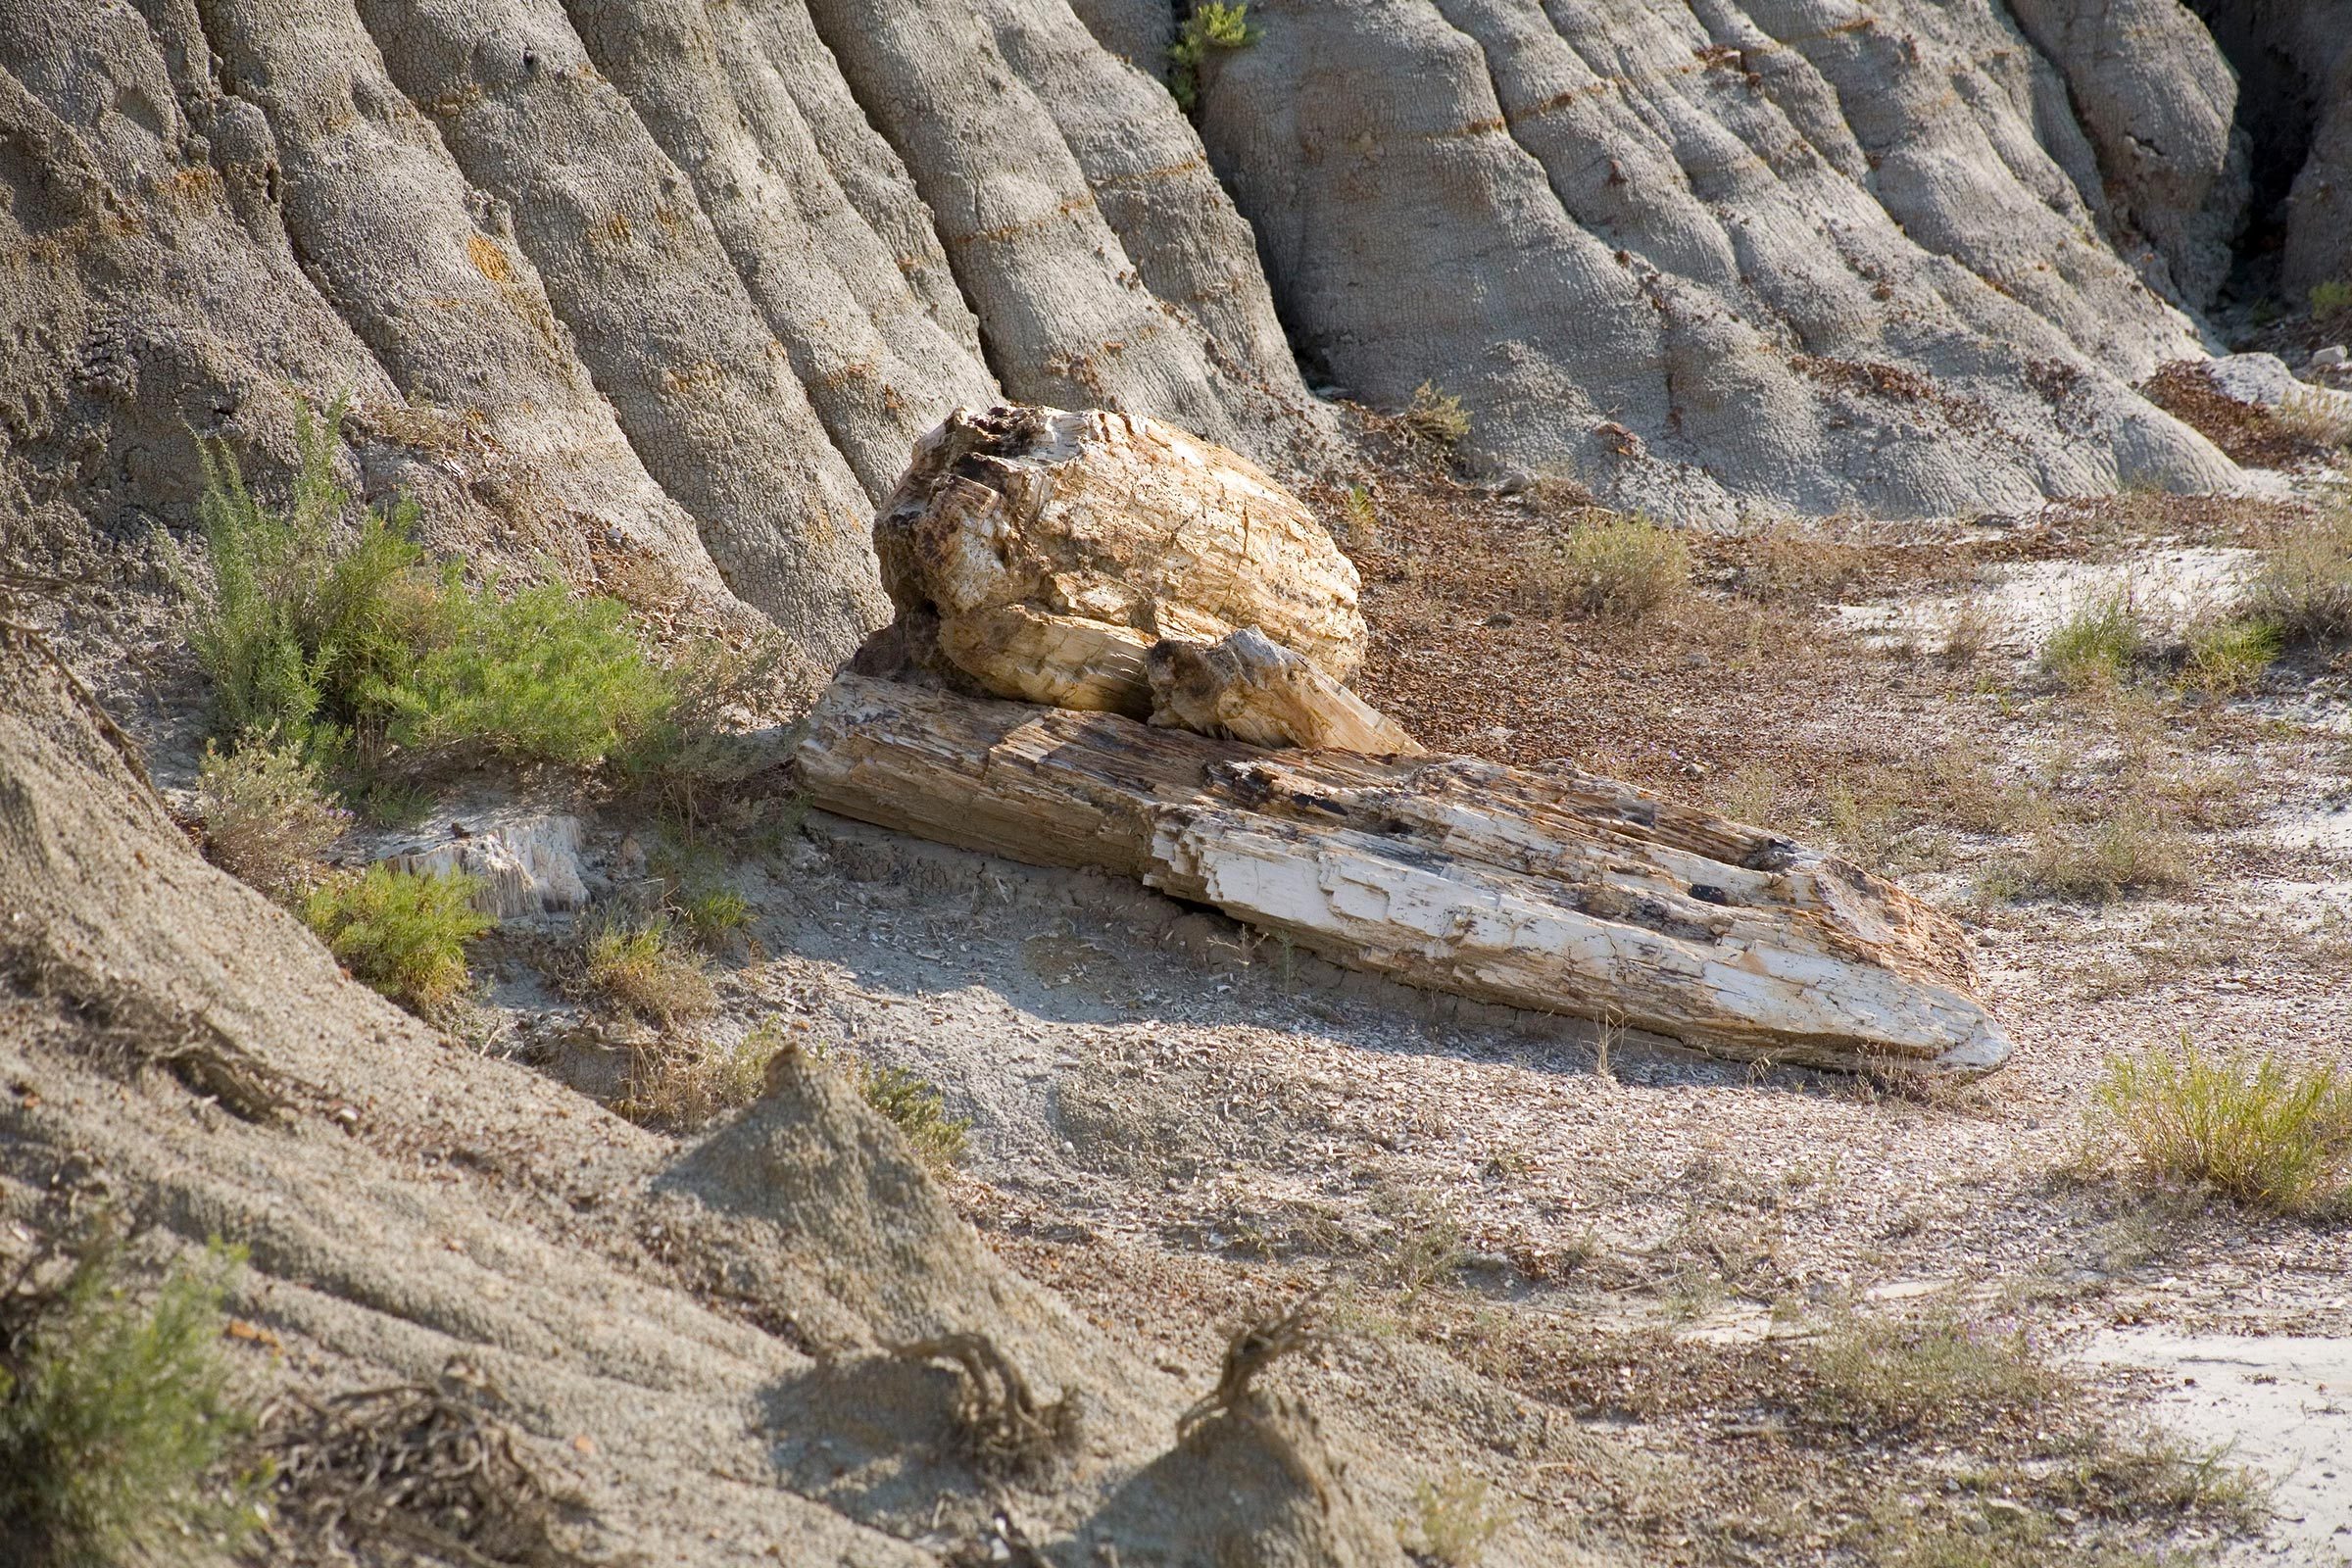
[[1552, 891], [680, 279], [1249, 688], [1040, 555]]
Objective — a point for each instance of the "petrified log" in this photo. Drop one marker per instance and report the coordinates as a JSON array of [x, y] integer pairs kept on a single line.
[[1549, 890], [1039, 554], [1247, 688]]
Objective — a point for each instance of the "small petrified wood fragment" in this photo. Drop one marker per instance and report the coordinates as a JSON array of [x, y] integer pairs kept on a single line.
[[1247, 688]]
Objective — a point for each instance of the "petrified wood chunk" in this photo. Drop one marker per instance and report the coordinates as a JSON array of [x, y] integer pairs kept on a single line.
[[1039, 553], [1549, 890], [1246, 688]]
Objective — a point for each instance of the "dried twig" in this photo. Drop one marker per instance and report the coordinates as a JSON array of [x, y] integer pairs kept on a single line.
[[1003, 1428], [1252, 1349], [383, 1473]]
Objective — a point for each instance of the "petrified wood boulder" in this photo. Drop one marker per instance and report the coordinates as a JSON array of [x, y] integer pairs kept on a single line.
[[1039, 554], [1549, 890]]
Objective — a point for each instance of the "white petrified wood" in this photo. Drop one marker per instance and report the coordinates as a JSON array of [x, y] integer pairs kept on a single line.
[[1549, 890], [1040, 555]]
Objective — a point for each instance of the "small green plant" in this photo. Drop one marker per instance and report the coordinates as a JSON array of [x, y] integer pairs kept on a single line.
[[1614, 568], [716, 915], [1436, 416], [1363, 519], [1454, 1521], [118, 1429], [267, 821], [646, 971], [2257, 1132], [2330, 297], [2096, 644], [343, 643], [402, 933], [1211, 26], [919, 1110], [2227, 655], [2303, 588]]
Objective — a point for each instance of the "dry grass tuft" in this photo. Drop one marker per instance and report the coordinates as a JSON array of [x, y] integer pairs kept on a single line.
[[645, 970], [2257, 1132], [1612, 567], [2304, 589], [1904, 1376], [1455, 1520], [1436, 416], [2132, 851], [681, 1086], [266, 820]]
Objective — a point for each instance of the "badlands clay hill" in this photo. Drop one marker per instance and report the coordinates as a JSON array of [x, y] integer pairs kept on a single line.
[[1105, 783]]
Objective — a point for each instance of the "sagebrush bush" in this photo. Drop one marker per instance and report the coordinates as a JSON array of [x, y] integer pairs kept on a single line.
[[2097, 642], [2252, 1129], [643, 968], [342, 643], [1613, 567], [267, 820], [921, 1111], [543, 676], [1434, 416], [401, 933], [118, 1427]]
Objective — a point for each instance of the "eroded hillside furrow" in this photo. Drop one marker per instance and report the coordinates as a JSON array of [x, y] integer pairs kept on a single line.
[[422, 269], [1758, 210], [636, 271], [697, 78]]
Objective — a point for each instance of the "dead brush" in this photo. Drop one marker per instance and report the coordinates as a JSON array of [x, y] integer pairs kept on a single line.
[[1002, 1427], [1253, 1348], [394, 1475]]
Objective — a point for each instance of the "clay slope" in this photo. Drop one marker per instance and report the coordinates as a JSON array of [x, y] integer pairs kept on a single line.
[[695, 1340]]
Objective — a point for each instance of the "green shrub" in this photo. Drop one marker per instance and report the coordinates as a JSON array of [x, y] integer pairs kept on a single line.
[[297, 624], [1615, 567], [2096, 642], [2229, 655], [2257, 1132], [402, 933], [541, 676], [921, 1111], [267, 822], [643, 968], [2332, 297], [341, 644], [1211, 26], [2303, 588], [117, 1425], [1436, 415]]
